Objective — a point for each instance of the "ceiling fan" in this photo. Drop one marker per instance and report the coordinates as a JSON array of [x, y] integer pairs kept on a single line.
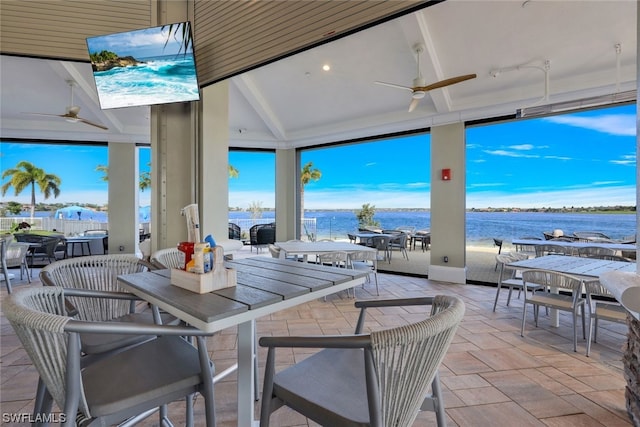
[[420, 88], [72, 111]]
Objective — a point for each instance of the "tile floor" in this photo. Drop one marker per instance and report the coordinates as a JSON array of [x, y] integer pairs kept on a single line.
[[491, 376]]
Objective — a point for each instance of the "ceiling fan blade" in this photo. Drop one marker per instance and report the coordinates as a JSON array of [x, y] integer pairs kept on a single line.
[[446, 82], [98, 125], [394, 85], [45, 114], [414, 104]]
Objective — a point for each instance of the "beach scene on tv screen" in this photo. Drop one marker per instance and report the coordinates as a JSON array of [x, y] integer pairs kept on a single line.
[[144, 67]]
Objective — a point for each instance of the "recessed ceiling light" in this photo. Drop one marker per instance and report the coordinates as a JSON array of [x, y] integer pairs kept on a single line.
[[326, 67]]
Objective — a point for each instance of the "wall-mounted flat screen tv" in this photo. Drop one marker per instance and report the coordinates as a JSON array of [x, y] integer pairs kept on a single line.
[[145, 67]]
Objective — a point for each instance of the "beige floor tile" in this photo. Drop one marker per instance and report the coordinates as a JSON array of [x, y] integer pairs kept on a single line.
[[491, 376]]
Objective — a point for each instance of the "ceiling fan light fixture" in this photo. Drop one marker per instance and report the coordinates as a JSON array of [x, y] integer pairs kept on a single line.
[[418, 94]]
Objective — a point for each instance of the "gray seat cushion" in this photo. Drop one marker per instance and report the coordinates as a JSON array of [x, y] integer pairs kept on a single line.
[[130, 378], [331, 378]]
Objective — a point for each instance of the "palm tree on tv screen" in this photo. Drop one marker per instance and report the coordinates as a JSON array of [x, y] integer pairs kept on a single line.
[[25, 175]]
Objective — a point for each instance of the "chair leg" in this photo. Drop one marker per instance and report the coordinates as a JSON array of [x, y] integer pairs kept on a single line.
[[7, 280], [495, 302], [509, 295], [591, 321], [375, 274], [524, 316], [574, 315], [441, 418]]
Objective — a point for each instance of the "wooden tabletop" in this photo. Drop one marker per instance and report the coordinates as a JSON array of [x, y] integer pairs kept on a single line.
[[265, 285]]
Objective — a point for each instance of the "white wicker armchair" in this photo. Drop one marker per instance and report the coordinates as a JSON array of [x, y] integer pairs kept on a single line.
[[377, 379], [118, 386]]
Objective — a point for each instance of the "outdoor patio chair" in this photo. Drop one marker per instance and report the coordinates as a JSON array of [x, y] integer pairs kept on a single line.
[[234, 231], [602, 306], [508, 276], [552, 249], [167, 258], [365, 261], [612, 258], [119, 386], [498, 243], [588, 251], [399, 242], [376, 379], [381, 243], [17, 257], [569, 300], [100, 273], [260, 235]]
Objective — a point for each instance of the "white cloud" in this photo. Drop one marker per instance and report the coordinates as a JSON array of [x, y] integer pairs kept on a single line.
[[507, 153], [522, 147], [612, 124]]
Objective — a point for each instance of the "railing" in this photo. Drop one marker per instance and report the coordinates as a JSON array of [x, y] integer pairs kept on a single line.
[[74, 227]]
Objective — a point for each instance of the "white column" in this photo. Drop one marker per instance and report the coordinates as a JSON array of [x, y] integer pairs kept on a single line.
[[287, 171], [448, 235], [214, 162], [123, 198]]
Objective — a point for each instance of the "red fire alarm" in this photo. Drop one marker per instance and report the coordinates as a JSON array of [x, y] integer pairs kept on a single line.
[[446, 174]]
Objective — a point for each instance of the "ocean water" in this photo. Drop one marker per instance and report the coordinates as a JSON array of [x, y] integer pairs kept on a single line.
[[161, 79]]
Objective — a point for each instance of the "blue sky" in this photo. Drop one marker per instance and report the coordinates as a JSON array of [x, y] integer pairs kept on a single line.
[[139, 44], [581, 159], [74, 164]]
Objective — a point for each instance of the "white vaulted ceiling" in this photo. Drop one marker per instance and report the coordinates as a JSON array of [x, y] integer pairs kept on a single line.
[[293, 102]]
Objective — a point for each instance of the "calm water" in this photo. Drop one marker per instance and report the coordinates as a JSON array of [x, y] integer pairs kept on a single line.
[[482, 227]]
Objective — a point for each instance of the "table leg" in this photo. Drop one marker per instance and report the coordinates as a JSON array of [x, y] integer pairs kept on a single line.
[[246, 373]]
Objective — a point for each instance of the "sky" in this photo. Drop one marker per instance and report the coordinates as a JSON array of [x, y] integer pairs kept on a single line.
[[139, 43], [75, 165], [581, 159], [574, 160]]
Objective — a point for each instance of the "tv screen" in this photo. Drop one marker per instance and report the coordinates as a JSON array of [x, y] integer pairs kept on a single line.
[[145, 67]]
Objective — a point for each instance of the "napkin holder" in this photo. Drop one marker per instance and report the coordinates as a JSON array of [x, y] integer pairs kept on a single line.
[[219, 277]]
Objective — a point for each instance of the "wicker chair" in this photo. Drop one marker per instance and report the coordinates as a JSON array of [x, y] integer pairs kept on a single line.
[[13, 254], [377, 379], [100, 273], [119, 386], [604, 307], [588, 251], [570, 300], [367, 261], [167, 258], [507, 276]]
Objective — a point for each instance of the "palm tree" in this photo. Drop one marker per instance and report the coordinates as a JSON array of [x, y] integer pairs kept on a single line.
[[144, 180], [25, 174], [308, 174], [105, 171], [233, 172]]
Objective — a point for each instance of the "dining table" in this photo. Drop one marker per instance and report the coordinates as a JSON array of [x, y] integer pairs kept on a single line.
[[519, 243], [318, 248], [581, 267], [264, 286]]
